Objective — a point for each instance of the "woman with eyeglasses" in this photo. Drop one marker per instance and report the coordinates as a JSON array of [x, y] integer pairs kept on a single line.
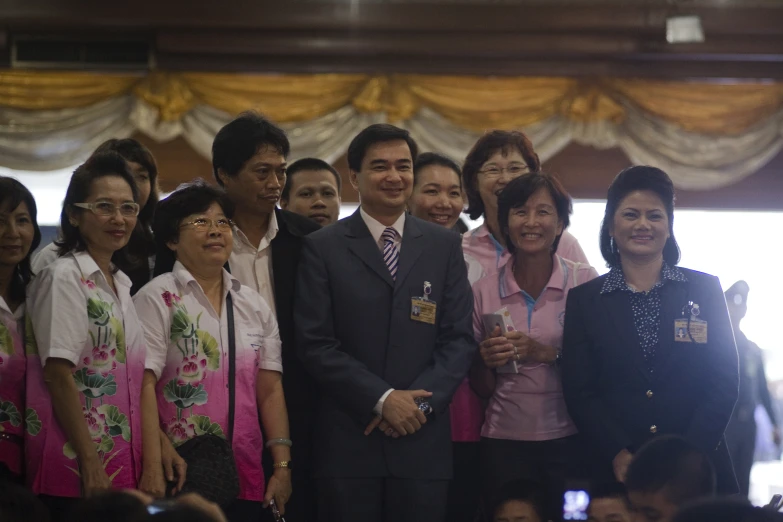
[[497, 158], [140, 259], [188, 313], [86, 428], [19, 236]]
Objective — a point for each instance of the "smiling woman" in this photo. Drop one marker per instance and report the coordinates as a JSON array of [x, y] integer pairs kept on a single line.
[[86, 350], [663, 329], [214, 347], [527, 431], [437, 190]]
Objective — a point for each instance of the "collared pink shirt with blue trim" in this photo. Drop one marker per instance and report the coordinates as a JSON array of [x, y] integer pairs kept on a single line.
[[484, 255], [529, 406]]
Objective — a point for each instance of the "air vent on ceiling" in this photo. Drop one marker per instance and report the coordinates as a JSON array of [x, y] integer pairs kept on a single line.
[[61, 53]]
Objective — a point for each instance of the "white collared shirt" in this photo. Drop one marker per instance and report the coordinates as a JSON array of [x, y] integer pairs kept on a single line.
[[252, 319], [56, 302], [376, 230], [253, 265]]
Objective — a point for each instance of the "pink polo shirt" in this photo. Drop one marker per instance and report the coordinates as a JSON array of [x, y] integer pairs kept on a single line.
[[484, 255], [529, 405], [482, 249]]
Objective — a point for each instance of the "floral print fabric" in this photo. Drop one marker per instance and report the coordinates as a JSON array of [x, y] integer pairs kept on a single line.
[[77, 317], [12, 372], [188, 351]]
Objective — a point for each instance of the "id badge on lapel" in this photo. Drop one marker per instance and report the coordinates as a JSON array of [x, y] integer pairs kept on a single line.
[[693, 329], [423, 309]]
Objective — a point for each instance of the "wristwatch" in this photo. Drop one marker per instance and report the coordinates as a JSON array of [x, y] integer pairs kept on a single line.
[[424, 407], [287, 464]]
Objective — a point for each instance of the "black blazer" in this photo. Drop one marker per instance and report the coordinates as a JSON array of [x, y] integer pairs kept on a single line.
[[286, 251], [614, 400], [356, 337]]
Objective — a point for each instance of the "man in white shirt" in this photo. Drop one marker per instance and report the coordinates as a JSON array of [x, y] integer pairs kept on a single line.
[[384, 324], [249, 162]]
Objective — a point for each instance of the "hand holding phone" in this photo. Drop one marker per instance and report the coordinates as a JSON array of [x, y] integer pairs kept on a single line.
[[501, 319], [276, 512]]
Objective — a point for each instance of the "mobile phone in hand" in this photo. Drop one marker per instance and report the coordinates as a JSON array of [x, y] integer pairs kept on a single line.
[[276, 512]]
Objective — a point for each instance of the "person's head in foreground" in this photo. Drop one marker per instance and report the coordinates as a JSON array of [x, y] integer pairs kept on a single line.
[[520, 501], [533, 213], [193, 226], [609, 503], [665, 474], [312, 189], [724, 510], [249, 161], [437, 190], [638, 220], [380, 159]]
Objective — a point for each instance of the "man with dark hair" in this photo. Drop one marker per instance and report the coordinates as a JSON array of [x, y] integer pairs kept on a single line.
[[665, 474], [753, 390], [249, 162], [312, 189], [609, 503], [384, 324]]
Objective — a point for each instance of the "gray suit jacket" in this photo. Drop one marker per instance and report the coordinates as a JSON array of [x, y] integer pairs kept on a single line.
[[356, 337]]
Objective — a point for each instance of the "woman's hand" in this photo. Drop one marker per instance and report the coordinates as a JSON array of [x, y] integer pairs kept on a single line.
[[496, 350], [174, 466], [152, 481], [94, 477], [279, 489], [542, 353], [620, 465]]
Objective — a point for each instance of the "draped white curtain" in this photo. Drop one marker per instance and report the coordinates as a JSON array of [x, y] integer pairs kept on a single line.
[[47, 140]]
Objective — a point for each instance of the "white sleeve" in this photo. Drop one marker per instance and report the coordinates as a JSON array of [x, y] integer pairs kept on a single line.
[[58, 313], [44, 257], [475, 270], [271, 356], [154, 321]]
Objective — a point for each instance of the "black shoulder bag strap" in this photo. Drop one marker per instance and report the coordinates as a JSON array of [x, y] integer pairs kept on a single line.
[[231, 365]]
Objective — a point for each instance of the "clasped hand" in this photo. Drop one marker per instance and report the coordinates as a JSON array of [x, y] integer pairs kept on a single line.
[[401, 415], [499, 348]]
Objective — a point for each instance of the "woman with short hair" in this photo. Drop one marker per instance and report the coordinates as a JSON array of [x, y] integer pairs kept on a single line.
[[497, 158], [86, 428], [187, 313], [518, 321], [139, 260], [648, 348]]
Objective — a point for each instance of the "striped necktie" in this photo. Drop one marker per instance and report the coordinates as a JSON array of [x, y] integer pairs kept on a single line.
[[391, 254]]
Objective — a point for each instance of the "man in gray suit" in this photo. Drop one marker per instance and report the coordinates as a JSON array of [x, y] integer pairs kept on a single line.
[[383, 313]]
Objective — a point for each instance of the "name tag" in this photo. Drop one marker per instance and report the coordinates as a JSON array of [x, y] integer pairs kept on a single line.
[[423, 310], [696, 331]]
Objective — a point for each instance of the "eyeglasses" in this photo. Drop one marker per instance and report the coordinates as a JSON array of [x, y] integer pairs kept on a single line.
[[204, 224], [513, 169], [105, 208]]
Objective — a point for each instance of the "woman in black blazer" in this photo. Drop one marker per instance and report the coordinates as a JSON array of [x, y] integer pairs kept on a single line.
[[648, 348]]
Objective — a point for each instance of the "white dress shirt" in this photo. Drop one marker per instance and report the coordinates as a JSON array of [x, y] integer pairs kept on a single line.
[[376, 230], [252, 265]]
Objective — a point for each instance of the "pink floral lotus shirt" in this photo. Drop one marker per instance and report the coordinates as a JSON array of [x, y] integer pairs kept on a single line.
[[76, 316], [187, 348], [12, 372]]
